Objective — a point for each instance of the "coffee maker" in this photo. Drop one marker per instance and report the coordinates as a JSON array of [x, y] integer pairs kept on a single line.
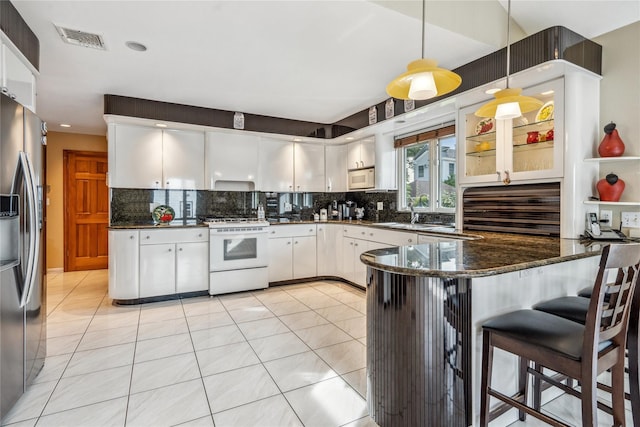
[[348, 210]]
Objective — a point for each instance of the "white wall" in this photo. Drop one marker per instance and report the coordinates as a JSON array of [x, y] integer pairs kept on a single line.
[[620, 103]]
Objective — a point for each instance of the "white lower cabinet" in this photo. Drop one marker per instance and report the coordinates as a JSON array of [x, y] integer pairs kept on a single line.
[[280, 259], [123, 264], [292, 252], [157, 270], [329, 248], [192, 267], [148, 263]]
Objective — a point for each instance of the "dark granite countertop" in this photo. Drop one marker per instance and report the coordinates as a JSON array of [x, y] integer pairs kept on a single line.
[[175, 224], [494, 253]]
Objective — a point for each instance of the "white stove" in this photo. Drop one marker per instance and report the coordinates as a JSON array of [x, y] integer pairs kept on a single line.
[[235, 223], [237, 254]]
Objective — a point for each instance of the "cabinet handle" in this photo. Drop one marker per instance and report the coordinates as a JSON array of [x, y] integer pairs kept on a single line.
[[157, 182], [200, 235], [295, 243], [356, 164], [180, 249], [507, 179], [167, 182], [361, 164], [355, 244], [131, 237], [363, 233], [370, 234], [148, 237], [311, 230], [351, 243], [499, 175], [273, 232], [298, 187], [169, 249], [289, 242], [410, 240]]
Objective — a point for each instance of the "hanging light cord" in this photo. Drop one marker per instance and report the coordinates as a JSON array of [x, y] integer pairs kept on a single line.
[[508, 40], [424, 18]]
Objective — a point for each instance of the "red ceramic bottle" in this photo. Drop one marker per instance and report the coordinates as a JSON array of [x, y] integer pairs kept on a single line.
[[610, 188], [611, 145]]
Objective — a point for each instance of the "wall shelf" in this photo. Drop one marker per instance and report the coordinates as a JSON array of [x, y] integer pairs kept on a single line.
[[612, 159], [597, 202]]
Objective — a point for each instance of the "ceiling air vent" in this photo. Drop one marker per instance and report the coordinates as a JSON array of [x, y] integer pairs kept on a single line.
[[81, 38]]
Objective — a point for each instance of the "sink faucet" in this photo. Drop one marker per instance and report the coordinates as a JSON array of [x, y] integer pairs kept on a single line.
[[414, 215]]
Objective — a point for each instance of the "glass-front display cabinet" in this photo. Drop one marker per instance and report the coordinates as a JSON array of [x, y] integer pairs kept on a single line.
[[524, 148]]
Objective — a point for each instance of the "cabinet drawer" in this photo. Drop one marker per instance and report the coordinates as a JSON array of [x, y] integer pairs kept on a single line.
[[354, 231], [292, 230], [179, 235], [392, 237]]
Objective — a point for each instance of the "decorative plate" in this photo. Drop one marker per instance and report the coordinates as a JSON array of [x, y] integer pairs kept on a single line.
[[163, 214], [545, 113], [485, 125]]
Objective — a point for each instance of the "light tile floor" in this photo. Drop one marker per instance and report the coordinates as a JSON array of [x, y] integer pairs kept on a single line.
[[286, 356]]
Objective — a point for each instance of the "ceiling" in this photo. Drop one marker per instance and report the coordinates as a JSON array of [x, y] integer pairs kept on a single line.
[[317, 61]]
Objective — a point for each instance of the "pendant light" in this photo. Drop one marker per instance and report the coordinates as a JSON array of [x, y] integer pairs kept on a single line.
[[509, 103], [423, 79]]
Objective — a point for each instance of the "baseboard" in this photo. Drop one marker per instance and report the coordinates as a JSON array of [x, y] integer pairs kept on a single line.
[[55, 270]]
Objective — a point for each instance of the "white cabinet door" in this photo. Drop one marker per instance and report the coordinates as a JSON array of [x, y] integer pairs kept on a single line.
[[280, 259], [368, 153], [336, 168], [157, 270], [123, 264], [348, 258], [386, 162], [192, 267], [304, 257], [231, 161], [183, 159], [359, 269], [137, 157], [362, 154], [329, 249], [276, 165], [353, 156], [17, 78], [309, 167]]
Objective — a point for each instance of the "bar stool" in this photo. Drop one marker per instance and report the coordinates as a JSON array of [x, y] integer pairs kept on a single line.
[[578, 351], [575, 308]]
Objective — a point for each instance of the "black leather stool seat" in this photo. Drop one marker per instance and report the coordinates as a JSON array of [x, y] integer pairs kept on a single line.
[[541, 330], [572, 308]]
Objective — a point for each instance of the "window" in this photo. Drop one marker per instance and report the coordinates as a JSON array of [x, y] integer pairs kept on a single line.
[[427, 188]]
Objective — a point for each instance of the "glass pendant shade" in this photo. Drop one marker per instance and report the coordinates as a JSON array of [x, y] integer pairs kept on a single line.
[[510, 110], [444, 81], [508, 96], [422, 86]]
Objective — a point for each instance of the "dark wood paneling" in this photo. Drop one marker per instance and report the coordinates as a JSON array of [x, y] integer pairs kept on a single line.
[[549, 44], [522, 209], [12, 24]]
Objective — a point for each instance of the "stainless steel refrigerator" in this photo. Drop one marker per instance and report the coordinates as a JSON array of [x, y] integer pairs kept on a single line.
[[22, 270]]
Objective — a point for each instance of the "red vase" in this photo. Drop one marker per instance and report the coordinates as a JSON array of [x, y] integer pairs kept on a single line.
[[611, 145], [610, 188]]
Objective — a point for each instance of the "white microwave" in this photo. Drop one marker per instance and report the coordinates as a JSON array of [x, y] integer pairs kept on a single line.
[[362, 178]]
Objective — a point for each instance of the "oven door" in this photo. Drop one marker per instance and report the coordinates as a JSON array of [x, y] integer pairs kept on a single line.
[[235, 251]]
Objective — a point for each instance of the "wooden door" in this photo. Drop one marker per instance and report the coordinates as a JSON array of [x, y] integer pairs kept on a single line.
[[86, 205]]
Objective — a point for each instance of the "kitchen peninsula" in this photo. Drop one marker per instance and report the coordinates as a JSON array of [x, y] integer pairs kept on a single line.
[[425, 307]]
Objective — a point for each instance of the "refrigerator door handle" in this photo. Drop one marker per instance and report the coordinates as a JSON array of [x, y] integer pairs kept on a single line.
[[24, 166]]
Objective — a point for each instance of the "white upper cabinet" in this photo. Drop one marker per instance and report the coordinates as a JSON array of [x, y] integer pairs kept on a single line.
[[362, 154], [308, 167], [525, 148], [147, 157], [276, 165], [291, 167], [135, 156], [335, 168], [386, 162], [183, 159], [16, 77], [231, 161]]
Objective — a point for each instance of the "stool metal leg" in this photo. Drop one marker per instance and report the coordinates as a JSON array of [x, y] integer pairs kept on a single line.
[[523, 386]]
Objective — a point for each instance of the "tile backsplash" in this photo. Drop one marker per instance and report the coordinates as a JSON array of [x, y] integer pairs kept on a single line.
[[134, 206]]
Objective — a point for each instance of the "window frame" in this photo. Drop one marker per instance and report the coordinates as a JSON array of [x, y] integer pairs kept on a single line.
[[434, 172]]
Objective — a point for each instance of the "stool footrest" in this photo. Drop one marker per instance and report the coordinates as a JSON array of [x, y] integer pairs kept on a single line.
[[522, 407]]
